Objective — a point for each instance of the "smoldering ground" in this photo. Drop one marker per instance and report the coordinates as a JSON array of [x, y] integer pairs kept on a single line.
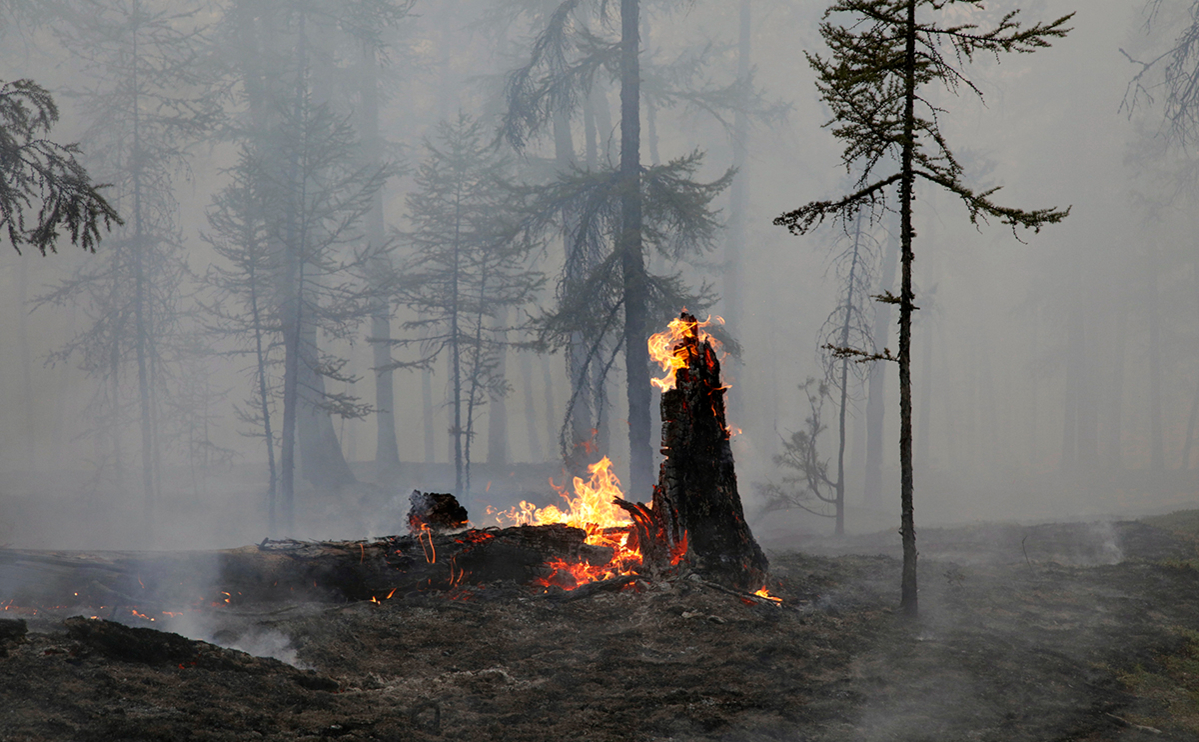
[[1027, 633]]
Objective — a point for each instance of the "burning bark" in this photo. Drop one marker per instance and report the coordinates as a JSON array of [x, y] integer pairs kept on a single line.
[[696, 499]]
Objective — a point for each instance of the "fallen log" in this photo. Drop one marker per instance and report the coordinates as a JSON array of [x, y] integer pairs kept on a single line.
[[289, 570]]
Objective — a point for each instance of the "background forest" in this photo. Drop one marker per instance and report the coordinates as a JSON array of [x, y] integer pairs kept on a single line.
[[376, 245]]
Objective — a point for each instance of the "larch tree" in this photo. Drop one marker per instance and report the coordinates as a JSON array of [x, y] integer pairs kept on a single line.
[[43, 187], [469, 267], [883, 56], [147, 102], [611, 215], [307, 169]]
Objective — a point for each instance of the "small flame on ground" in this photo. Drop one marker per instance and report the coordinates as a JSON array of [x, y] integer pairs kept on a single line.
[[667, 350], [764, 593]]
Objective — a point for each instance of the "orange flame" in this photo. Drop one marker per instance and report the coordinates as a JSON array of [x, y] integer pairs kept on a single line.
[[668, 351], [592, 508], [764, 593]]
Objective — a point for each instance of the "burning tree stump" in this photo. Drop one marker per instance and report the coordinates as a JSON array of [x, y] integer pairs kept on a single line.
[[696, 499]]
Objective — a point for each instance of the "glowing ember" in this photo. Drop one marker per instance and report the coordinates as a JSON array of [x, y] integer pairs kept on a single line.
[[667, 351]]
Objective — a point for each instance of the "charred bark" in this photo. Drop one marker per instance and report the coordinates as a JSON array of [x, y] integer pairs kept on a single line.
[[287, 570], [696, 496]]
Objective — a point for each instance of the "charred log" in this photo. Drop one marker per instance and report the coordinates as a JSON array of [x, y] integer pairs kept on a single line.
[[291, 570], [696, 497]]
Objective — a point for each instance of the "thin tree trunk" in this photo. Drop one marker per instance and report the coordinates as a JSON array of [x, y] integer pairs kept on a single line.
[[264, 399], [733, 273], [291, 367], [536, 452], [876, 400], [387, 450], [547, 379], [632, 258], [426, 414], [1157, 447], [497, 414], [139, 306], [456, 347], [477, 361], [575, 449], [844, 407], [908, 600]]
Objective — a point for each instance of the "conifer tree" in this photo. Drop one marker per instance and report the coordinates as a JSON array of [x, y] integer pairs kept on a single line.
[[883, 55], [147, 103], [606, 296], [469, 266], [43, 188], [309, 177]]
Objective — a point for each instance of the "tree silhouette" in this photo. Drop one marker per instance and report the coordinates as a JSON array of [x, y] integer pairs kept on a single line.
[[43, 188], [883, 54], [469, 267]]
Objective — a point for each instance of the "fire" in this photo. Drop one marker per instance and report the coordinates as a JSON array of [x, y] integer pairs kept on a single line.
[[667, 351], [764, 593], [593, 509]]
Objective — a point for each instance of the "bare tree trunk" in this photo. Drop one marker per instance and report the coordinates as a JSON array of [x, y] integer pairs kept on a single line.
[[426, 414], [576, 448], [547, 386], [536, 452], [291, 388], [876, 400], [264, 399], [140, 324], [26, 362], [632, 257], [387, 450], [321, 458], [908, 599], [733, 274], [497, 414], [1156, 443], [839, 499]]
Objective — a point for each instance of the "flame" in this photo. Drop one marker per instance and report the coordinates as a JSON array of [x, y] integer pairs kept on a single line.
[[593, 509], [764, 593], [668, 351]]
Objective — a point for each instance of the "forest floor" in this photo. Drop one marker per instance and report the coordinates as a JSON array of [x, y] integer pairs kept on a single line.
[[1065, 631]]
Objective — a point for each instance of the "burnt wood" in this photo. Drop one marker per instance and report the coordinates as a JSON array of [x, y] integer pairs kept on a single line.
[[290, 570], [696, 497]]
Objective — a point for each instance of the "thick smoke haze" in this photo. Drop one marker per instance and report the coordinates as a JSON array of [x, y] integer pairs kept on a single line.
[[1053, 377]]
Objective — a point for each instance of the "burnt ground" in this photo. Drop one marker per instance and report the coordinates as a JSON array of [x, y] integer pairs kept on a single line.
[[1050, 632]]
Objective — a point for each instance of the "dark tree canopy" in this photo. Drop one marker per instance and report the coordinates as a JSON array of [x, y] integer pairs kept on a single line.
[[43, 188]]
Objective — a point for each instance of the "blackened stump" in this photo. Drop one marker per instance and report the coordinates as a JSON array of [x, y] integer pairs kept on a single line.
[[696, 496]]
